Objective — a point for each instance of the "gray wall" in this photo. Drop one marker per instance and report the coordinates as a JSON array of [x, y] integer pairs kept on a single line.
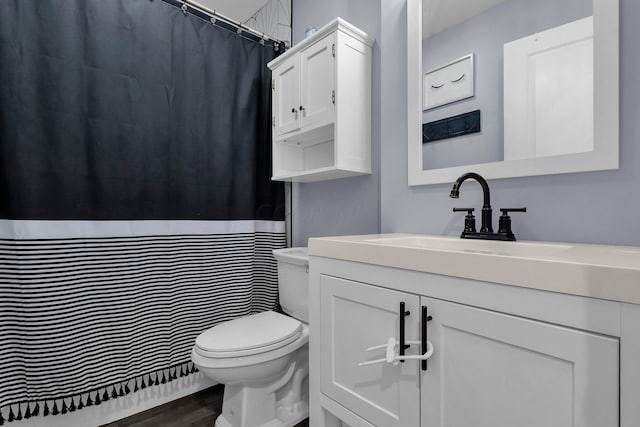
[[509, 21], [349, 205], [595, 207]]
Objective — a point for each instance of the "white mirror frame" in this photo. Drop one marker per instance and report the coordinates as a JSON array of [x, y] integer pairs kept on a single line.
[[605, 155]]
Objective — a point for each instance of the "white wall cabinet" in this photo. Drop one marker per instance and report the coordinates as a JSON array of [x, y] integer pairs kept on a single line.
[[322, 106], [549, 92], [498, 361], [286, 100]]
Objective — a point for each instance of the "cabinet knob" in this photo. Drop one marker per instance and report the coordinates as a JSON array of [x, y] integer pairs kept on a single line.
[[301, 108], [293, 110]]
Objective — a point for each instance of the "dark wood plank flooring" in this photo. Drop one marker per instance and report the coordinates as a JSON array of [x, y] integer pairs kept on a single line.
[[197, 410]]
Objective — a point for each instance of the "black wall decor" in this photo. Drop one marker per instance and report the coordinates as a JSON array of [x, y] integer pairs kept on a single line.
[[462, 124]]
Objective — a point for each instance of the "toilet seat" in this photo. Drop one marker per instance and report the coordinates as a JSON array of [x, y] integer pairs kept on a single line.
[[200, 358], [249, 335]]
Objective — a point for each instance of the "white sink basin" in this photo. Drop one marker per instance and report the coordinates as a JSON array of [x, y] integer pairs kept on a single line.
[[488, 247], [596, 271]]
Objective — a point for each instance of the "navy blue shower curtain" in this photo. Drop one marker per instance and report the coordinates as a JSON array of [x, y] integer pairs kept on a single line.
[[135, 201]]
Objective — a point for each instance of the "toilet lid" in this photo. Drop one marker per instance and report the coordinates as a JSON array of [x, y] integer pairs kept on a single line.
[[250, 334]]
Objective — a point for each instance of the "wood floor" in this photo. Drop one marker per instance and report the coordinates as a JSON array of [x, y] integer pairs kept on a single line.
[[197, 410]]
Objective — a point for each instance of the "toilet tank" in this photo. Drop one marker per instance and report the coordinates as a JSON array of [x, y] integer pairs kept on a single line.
[[293, 281]]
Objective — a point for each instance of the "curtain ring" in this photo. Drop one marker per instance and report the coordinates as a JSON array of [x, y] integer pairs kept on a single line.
[[184, 7]]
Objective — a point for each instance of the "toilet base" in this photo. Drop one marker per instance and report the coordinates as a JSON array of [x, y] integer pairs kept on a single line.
[[282, 420], [281, 402]]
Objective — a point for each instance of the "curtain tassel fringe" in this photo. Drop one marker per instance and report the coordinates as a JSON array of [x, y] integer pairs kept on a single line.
[[55, 410], [51, 407]]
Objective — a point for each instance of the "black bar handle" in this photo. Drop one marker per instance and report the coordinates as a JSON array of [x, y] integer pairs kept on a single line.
[[505, 211], [424, 318], [403, 313]]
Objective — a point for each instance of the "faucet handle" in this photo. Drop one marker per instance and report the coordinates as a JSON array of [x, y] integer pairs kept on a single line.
[[469, 219], [504, 223], [505, 211]]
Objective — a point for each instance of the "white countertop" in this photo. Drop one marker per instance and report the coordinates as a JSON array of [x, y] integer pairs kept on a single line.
[[597, 271]]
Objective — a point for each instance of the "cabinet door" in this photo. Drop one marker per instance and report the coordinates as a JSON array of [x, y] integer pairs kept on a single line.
[[286, 96], [495, 370], [318, 83], [355, 317]]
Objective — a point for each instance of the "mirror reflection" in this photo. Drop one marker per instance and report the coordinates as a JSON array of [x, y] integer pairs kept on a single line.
[[506, 80]]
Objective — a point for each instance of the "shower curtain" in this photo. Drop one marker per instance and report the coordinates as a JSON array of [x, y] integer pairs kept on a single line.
[[135, 197]]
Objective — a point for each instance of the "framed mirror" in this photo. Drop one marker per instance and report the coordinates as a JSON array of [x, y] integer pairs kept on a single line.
[[511, 88]]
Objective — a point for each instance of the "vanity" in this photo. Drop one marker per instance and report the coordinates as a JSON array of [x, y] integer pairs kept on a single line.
[[414, 330], [516, 333]]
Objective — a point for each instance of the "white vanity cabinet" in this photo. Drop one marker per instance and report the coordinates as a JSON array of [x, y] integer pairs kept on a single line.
[[503, 356], [322, 106], [358, 317], [492, 369]]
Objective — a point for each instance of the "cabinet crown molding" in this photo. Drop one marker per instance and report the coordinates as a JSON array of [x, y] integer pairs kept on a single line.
[[336, 24]]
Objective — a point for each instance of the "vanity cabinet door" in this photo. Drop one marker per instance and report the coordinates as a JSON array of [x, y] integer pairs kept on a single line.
[[318, 83], [495, 370], [354, 317], [286, 96]]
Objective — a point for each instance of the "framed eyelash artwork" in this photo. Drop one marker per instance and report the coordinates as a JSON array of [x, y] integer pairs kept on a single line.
[[448, 83]]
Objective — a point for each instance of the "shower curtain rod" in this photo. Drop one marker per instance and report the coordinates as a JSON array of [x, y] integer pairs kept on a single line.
[[230, 21]]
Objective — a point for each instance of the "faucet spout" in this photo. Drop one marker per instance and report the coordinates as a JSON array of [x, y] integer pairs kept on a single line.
[[486, 207]]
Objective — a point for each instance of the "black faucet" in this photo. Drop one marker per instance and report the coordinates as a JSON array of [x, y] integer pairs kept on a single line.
[[486, 206], [486, 229]]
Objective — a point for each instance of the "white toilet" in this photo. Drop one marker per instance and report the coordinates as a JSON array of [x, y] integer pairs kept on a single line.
[[263, 359]]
